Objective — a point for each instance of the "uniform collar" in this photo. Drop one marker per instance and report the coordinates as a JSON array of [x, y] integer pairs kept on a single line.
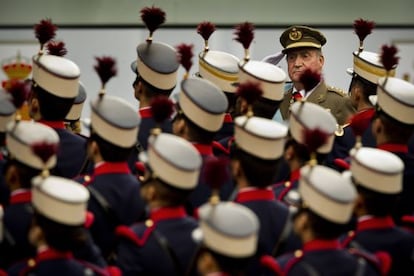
[[227, 118], [52, 254], [204, 149], [145, 112], [375, 223], [53, 124], [167, 213], [21, 196], [112, 167], [318, 244], [393, 147], [295, 175], [254, 194]]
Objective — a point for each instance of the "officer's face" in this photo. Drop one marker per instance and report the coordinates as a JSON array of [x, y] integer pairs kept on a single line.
[[299, 60]]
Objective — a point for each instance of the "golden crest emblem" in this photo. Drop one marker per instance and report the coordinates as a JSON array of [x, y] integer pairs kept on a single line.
[[295, 34]]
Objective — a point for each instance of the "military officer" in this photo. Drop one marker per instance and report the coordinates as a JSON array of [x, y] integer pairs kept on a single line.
[[156, 69], [114, 189], [303, 48], [321, 218], [57, 229], [378, 175], [173, 168], [55, 85], [367, 69], [305, 117], [201, 107], [222, 69], [392, 128], [22, 165]]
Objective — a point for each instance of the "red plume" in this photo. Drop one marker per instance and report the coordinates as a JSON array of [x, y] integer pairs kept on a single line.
[[388, 57], [105, 68], [363, 28], [205, 29], [250, 91], [162, 108], [216, 171], [19, 91], [45, 31], [44, 150], [244, 34], [152, 17], [56, 48], [309, 79], [185, 54], [314, 138]]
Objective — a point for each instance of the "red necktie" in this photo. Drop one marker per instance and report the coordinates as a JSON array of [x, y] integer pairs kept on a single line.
[[296, 96]]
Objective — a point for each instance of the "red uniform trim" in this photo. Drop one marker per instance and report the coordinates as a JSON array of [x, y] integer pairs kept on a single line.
[[204, 149], [394, 147], [255, 194], [321, 245], [294, 176], [112, 167], [53, 124], [376, 223], [155, 216], [145, 112], [167, 213], [227, 118], [21, 197], [220, 147], [52, 254]]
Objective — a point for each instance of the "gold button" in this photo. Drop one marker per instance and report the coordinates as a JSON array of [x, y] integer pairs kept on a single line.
[[31, 262], [287, 184], [298, 253], [87, 178], [149, 223]]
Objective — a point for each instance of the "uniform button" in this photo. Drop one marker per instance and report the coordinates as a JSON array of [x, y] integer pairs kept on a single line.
[[87, 178], [287, 184], [149, 223], [298, 253], [31, 262]]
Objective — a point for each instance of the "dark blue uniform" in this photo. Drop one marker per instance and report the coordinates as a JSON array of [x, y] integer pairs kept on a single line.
[[326, 257], [147, 124], [405, 205], [343, 144], [71, 155], [115, 200], [227, 129], [281, 189], [202, 192], [17, 220], [52, 262], [273, 218], [4, 189], [381, 234], [140, 251]]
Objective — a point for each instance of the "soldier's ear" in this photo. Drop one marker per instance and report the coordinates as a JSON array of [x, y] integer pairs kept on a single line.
[[34, 108], [12, 177], [206, 263]]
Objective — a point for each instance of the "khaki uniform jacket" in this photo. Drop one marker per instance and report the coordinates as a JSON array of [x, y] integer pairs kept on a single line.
[[328, 97]]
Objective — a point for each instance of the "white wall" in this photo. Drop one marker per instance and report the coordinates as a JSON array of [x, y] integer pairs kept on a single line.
[[84, 44]]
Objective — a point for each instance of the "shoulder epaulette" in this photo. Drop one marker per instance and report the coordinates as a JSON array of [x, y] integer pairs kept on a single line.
[[337, 90], [126, 232]]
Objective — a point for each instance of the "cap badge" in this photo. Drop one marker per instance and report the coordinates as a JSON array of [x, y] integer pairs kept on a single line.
[[295, 34]]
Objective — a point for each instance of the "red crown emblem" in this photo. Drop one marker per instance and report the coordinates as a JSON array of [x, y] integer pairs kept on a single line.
[[16, 68]]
